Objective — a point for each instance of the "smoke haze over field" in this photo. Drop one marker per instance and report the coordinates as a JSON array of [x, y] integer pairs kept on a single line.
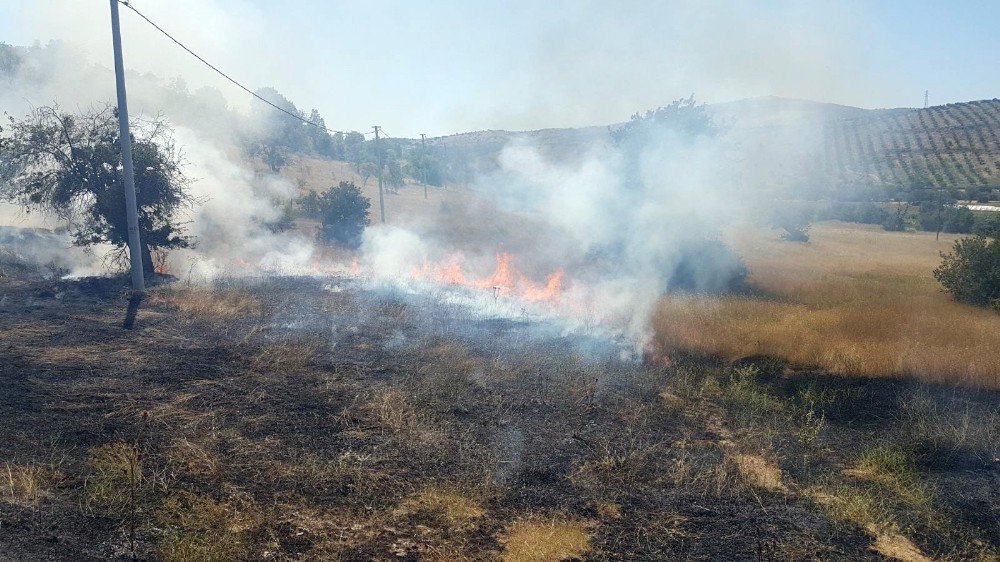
[[619, 245], [621, 231]]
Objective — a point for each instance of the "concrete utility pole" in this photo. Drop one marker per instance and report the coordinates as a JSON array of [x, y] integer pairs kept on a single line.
[[378, 153], [423, 145], [131, 212]]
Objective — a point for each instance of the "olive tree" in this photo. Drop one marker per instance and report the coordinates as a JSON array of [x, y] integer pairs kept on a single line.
[[70, 165]]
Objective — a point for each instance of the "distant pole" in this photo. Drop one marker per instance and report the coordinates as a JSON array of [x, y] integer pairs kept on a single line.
[[927, 95], [378, 153], [131, 212], [423, 168]]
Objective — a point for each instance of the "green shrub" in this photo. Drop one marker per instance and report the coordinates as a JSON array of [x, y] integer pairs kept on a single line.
[[936, 217], [343, 212], [971, 273]]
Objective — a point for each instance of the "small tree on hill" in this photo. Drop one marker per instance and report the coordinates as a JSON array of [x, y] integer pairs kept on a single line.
[[971, 273], [71, 165], [343, 213]]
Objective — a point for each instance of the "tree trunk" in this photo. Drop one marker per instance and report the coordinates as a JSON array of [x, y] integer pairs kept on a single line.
[[147, 263]]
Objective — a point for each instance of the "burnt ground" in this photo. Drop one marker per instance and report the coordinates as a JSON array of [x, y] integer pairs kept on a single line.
[[302, 419]]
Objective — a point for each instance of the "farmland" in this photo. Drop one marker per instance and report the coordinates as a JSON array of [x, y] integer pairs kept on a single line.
[[953, 146]]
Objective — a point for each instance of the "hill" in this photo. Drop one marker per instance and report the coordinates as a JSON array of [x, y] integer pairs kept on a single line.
[[954, 146]]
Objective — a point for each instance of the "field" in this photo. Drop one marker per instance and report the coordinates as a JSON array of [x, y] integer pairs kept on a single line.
[[854, 300], [323, 419]]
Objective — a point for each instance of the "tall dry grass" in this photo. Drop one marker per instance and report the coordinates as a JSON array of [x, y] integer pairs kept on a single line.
[[854, 300]]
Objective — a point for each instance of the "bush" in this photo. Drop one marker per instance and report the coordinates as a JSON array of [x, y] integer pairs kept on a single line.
[[945, 218], [343, 212], [864, 213], [794, 220], [895, 220], [707, 266], [971, 273], [987, 224]]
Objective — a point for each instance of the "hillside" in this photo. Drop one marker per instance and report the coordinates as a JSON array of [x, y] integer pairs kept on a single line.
[[947, 146], [791, 142]]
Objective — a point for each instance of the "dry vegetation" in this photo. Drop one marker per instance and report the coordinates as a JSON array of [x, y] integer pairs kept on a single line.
[[275, 420], [854, 300]]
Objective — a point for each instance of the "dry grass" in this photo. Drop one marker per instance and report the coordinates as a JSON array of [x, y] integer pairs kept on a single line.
[[27, 484], [546, 541], [198, 528], [448, 507], [210, 304], [285, 356], [115, 481], [854, 300], [760, 472]]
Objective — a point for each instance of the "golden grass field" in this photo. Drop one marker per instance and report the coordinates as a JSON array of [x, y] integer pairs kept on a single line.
[[853, 300]]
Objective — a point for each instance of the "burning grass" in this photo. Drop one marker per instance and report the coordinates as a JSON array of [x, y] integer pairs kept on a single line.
[[854, 301]]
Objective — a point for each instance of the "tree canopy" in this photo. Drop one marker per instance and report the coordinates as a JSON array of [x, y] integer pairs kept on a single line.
[[70, 165], [342, 211]]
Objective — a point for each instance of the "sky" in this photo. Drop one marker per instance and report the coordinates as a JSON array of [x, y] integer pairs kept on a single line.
[[441, 67]]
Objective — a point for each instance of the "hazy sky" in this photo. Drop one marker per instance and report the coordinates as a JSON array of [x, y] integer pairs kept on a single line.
[[449, 66]]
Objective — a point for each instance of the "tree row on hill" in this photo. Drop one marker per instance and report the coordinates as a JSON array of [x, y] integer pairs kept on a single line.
[[953, 147]]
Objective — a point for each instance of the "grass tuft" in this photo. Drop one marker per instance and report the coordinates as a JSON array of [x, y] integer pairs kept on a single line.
[[546, 541], [199, 529]]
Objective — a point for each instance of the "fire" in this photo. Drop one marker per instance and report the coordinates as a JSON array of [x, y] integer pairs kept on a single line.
[[505, 279]]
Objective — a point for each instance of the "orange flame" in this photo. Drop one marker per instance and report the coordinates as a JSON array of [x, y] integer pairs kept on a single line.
[[505, 279]]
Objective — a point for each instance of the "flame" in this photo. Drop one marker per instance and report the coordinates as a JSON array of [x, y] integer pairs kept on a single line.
[[505, 279]]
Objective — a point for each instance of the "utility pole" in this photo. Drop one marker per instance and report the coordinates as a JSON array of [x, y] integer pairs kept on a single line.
[[131, 212], [378, 153], [423, 168], [927, 94]]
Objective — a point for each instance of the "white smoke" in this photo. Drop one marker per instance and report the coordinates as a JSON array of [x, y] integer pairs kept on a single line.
[[232, 202]]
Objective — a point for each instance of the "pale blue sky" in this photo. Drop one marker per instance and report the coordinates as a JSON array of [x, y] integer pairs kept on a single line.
[[443, 67]]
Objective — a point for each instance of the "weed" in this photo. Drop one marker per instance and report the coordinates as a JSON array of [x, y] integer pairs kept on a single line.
[[748, 398], [115, 486], [198, 528], [446, 506], [546, 541], [28, 484]]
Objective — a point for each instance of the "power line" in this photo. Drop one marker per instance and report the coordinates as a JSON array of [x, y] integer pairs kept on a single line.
[[223, 74]]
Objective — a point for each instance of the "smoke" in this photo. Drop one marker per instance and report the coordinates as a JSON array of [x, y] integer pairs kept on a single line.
[[624, 227], [620, 246], [233, 203]]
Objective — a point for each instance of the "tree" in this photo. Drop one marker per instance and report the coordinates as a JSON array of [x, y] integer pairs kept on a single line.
[[285, 130], [343, 213], [275, 156], [794, 220], [354, 148], [71, 165], [971, 273], [935, 217], [988, 225]]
